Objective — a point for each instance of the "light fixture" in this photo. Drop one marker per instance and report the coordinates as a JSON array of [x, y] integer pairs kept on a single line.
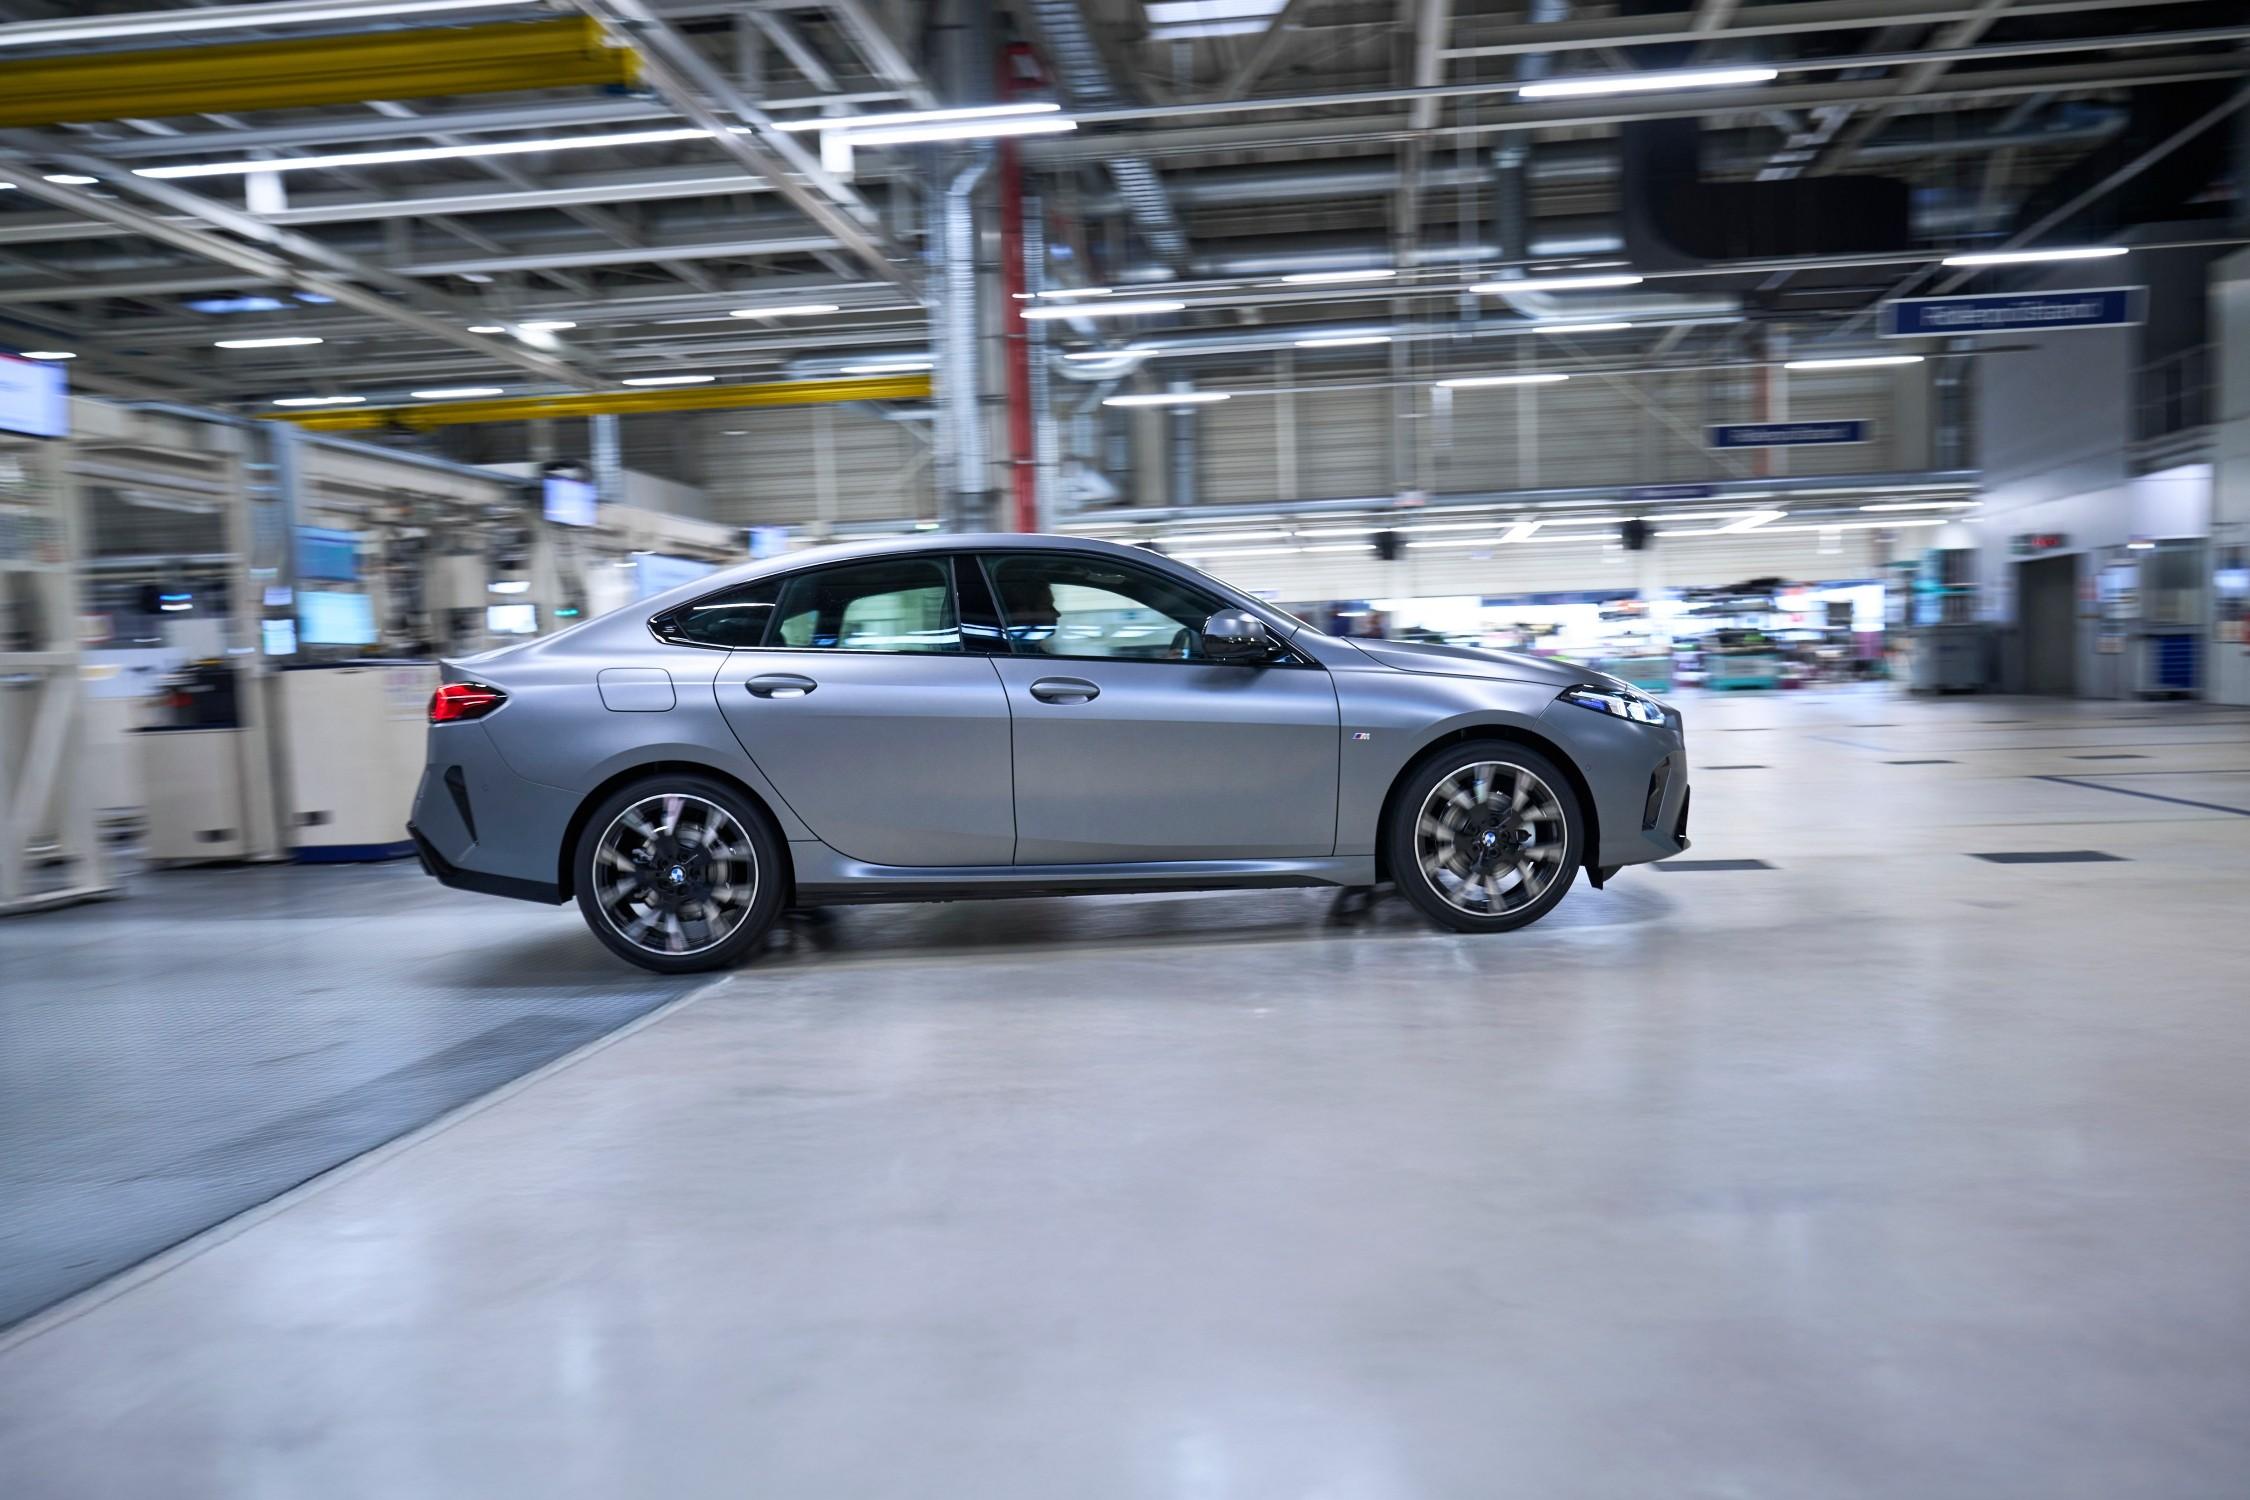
[[857, 123], [48, 354], [787, 310], [456, 392], [319, 400], [2032, 257], [1076, 291], [1321, 278], [476, 278], [1593, 283], [1167, 398], [351, 159], [1104, 310], [671, 380], [73, 179], [509, 586], [179, 22], [1852, 362], [486, 328], [1578, 327], [963, 130], [2140, 546], [1468, 382], [546, 325], [279, 341], [1923, 505], [1344, 341], [902, 367], [1645, 83]]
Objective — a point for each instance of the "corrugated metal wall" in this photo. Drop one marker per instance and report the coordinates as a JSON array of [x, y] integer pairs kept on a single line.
[[797, 465]]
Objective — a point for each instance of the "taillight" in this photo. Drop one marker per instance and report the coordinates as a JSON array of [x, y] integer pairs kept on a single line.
[[457, 701]]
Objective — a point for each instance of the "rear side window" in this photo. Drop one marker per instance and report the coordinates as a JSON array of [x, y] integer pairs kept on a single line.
[[735, 618], [894, 604]]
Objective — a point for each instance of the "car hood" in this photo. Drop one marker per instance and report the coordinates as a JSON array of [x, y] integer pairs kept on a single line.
[[1467, 661]]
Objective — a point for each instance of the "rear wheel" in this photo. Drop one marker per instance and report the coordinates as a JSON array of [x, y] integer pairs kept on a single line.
[[679, 873], [1485, 836]]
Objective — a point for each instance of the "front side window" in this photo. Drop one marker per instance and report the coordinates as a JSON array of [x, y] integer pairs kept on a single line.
[[892, 604], [1054, 604]]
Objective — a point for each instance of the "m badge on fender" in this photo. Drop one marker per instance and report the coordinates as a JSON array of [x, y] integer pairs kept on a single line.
[[1361, 734]]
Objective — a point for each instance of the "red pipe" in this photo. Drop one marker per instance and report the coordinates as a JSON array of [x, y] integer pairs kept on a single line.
[[1023, 475]]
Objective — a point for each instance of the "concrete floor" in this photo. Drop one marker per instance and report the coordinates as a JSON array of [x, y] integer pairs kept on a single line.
[[1883, 1171]]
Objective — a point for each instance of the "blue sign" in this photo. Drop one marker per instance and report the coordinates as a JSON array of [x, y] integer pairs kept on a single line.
[[2013, 312], [1787, 434]]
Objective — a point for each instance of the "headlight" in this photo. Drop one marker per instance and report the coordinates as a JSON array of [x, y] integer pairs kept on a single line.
[[1620, 703]]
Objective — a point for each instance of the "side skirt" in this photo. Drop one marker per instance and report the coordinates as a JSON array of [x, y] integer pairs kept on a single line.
[[826, 878]]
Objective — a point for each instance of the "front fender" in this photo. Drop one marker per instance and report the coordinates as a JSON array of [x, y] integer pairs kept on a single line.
[[1389, 718]]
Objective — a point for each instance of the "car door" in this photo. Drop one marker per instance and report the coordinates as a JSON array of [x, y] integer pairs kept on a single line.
[[863, 707], [1131, 744]]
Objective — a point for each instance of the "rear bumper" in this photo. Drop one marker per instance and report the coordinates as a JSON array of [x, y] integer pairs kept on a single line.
[[436, 866]]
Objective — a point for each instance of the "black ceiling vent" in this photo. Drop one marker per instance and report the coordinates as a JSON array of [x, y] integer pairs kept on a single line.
[[1676, 220]]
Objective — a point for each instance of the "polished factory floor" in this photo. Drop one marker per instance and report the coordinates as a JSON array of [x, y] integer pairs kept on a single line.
[[1896, 1143]]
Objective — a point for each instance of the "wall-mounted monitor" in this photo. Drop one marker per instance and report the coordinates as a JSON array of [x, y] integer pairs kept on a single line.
[[512, 619], [567, 502], [323, 553], [34, 397], [325, 618]]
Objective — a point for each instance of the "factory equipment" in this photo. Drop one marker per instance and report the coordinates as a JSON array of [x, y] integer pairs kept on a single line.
[[352, 741], [1948, 649], [191, 766]]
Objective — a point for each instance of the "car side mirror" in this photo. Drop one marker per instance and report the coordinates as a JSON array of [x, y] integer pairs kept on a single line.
[[1236, 636]]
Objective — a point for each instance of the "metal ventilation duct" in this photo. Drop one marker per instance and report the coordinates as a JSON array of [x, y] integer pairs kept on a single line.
[[1085, 82]]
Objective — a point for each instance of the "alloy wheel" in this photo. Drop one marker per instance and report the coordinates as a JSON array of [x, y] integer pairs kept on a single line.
[[1490, 838], [675, 874]]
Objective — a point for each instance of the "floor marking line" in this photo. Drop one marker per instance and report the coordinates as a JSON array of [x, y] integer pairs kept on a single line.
[[2126, 791], [78, 1304]]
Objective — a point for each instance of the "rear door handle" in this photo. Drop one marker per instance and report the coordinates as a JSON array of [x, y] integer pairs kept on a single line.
[[1064, 690], [780, 685]]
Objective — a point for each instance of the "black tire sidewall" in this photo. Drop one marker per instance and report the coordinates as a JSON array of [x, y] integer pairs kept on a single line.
[[773, 874], [1398, 837]]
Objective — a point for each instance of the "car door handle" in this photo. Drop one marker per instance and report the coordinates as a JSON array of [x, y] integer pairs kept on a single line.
[[780, 685], [1064, 690]]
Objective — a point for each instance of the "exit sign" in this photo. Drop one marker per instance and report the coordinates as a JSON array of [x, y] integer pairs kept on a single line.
[[2028, 542]]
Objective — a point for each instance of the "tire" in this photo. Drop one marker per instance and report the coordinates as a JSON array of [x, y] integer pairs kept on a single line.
[[689, 911], [1469, 870]]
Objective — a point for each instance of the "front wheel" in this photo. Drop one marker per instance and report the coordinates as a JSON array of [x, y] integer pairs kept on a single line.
[[679, 873], [1485, 836]]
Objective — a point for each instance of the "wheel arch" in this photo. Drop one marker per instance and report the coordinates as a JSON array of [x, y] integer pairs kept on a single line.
[[1514, 734], [641, 772]]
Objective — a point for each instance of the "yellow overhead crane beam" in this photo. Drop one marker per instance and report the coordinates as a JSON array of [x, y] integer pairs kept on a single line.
[[906, 387], [424, 63]]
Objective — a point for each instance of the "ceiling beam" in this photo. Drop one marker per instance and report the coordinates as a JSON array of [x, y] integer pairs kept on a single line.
[[1271, 43]]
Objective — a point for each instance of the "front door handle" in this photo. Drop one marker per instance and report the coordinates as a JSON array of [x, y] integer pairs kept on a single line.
[[780, 685], [1064, 690]]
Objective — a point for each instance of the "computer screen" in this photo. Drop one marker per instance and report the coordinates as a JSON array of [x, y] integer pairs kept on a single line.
[[34, 397], [333, 619], [280, 636], [567, 502], [323, 553], [512, 619]]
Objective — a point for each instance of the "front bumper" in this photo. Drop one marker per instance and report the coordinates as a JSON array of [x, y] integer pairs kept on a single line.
[[1638, 774]]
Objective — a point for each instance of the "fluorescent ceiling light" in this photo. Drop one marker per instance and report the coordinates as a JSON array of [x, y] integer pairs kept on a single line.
[[787, 310], [963, 130], [1465, 382], [1923, 505], [1167, 398], [179, 22], [319, 400], [456, 392], [2140, 546], [1558, 283], [1578, 327], [1184, 20], [73, 179], [1852, 362], [351, 159], [1644, 83], [282, 341], [856, 123], [1105, 310], [1344, 341], [48, 354], [486, 328], [1318, 278], [671, 380], [1076, 291], [546, 325], [2030, 257], [903, 367]]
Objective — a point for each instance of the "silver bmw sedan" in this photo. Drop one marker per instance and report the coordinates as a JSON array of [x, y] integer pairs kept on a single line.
[[961, 716]]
